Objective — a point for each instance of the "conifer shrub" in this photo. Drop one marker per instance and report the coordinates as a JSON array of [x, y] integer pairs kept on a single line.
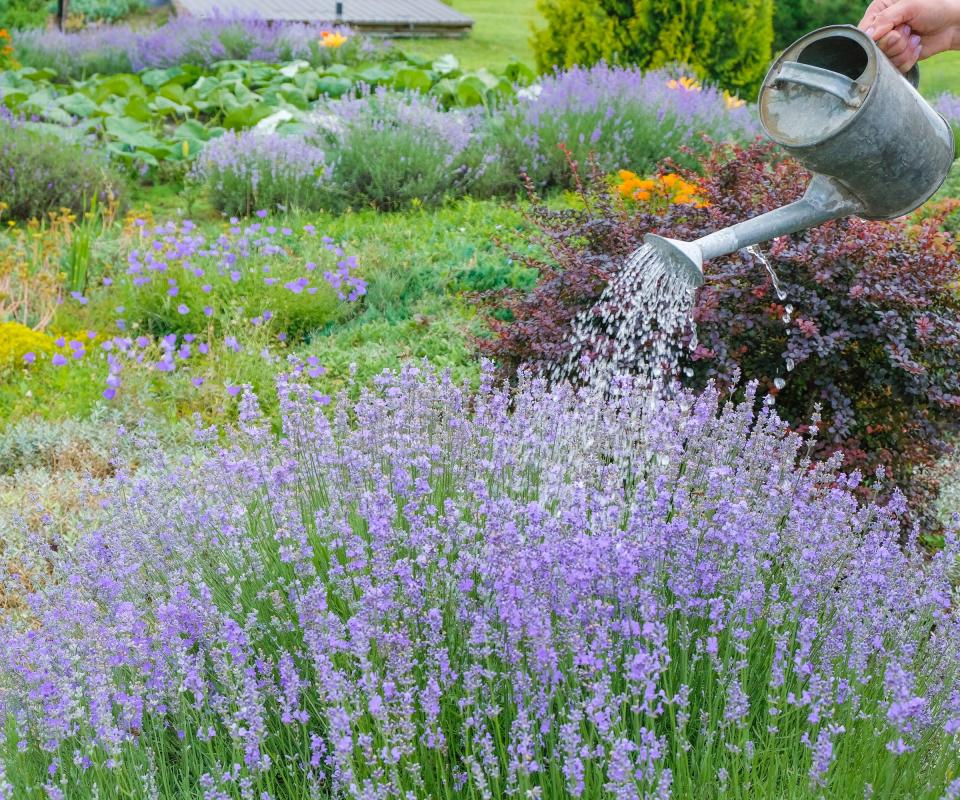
[[874, 333], [794, 18], [727, 42]]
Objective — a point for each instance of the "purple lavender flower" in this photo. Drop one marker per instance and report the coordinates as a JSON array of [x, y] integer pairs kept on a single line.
[[249, 170], [625, 118], [510, 585]]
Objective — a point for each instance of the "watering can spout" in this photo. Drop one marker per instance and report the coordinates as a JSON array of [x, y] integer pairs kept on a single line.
[[876, 149], [824, 200]]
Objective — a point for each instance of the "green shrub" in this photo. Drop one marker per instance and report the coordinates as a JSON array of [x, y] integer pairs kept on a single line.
[[391, 150], [40, 172], [17, 14], [107, 10], [793, 18], [727, 42]]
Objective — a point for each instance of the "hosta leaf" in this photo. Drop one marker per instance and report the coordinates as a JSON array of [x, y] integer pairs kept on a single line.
[[165, 107], [411, 79], [172, 91], [446, 64], [119, 85], [518, 72], [78, 105], [137, 108], [247, 116], [192, 129], [334, 87]]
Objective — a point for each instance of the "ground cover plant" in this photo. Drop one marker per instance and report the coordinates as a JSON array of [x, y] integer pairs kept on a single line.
[[868, 329], [168, 114], [416, 266], [442, 593]]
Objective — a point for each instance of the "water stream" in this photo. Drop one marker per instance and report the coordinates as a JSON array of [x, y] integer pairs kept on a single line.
[[639, 325], [637, 328]]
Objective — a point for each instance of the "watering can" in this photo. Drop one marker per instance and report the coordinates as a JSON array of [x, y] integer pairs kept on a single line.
[[834, 102]]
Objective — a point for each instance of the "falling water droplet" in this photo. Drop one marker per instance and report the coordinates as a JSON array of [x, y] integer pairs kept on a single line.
[[790, 364], [757, 253], [636, 328], [779, 383]]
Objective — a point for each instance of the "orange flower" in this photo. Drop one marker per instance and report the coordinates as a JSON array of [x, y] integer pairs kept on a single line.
[[331, 39], [666, 189]]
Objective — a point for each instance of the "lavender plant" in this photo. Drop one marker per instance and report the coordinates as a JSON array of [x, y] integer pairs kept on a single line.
[[439, 593], [391, 149], [41, 172], [626, 117], [251, 170], [183, 40]]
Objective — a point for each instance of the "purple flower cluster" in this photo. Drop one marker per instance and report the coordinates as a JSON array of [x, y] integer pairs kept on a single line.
[[254, 170], [521, 592], [389, 149], [183, 279], [627, 118], [948, 105], [182, 40]]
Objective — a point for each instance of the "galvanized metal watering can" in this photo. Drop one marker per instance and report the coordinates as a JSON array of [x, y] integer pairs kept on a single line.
[[834, 102]]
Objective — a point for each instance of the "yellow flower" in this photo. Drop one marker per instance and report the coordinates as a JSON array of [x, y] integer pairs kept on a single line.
[[17, 341], [732, 101], [186, 148], [331, 39], [685, 83]]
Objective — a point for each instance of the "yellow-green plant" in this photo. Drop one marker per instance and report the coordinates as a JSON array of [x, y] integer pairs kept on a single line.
[[18, 341], [727, 42]]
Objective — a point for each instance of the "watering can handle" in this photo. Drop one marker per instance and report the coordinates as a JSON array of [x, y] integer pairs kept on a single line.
[[824, 80]]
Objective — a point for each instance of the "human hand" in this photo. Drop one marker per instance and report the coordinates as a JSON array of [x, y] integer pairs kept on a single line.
[[907, 30]]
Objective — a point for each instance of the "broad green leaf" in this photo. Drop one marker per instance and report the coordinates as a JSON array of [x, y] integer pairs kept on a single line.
[[334, 87], [119, 85], [131, 155], [247, 116], [192, 129], [55, 114], [78, 105], [166, 107], [33, 74], [13, 99], [446, 64], [172, 91], [155, 78], [411, 79], [373, 75], [416, 59], [335, 69], [471, 91], [518, 72], [137, 108], [295, 97]]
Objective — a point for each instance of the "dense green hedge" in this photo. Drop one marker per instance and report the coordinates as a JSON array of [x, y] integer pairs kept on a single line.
[[727, 42], [793, 18]]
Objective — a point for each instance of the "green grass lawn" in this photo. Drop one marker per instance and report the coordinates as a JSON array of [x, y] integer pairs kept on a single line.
[[500, 34], [940, 74]]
